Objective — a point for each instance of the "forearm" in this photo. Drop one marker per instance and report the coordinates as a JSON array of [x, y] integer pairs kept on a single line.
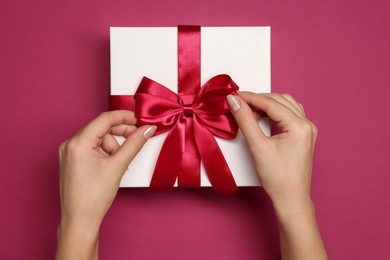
[[300, 237], [77, 242]]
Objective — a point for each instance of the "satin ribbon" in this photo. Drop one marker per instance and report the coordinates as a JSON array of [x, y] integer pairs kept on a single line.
[[193, 117]]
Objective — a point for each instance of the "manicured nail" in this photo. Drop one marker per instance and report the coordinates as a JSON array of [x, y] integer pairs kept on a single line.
[[150, 131], [233, 102]]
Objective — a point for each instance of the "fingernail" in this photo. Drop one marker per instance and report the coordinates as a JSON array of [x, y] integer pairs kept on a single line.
[[150, 131], [234, 103]]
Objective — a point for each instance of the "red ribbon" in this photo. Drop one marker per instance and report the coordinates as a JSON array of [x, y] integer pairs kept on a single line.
[[193, 117]]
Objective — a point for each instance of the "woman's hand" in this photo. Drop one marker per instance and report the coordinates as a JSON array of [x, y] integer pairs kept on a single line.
[[92, 164], [284, 164], [282, 161]]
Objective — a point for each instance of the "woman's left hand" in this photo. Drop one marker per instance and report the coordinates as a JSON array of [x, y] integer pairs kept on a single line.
[[92, 164]]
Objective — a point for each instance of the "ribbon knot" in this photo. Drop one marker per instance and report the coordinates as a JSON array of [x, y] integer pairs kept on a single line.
[[188, 111], [187, 102]]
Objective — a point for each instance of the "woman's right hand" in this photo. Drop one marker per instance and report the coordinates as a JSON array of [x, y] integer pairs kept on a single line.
[[284, 164], [282, 161]]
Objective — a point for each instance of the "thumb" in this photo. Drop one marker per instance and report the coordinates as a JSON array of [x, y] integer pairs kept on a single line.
[[132, 145], [246, 121]]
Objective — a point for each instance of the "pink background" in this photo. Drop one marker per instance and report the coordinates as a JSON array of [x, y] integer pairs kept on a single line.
[[333, 56]]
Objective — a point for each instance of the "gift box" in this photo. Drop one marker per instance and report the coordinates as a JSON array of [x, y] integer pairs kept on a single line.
[[243, 53]]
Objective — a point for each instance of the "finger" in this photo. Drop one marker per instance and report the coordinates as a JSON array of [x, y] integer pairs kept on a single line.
[[277, 111], [294, 102], [106, 120], [282, 99], [132, 145], [101, 152], [110, 145], [123, 130], [246, 121], [302, 109]]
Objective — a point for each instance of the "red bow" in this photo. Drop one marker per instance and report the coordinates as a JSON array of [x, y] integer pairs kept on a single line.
[[193, 121]]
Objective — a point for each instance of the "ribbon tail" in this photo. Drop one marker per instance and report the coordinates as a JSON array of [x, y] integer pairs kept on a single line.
[[189, 176], [213, 160], [169, 160]]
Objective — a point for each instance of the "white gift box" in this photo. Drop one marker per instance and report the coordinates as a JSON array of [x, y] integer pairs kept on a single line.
[[241, 52]]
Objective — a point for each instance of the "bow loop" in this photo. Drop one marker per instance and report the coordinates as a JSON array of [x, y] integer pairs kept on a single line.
[[156, 105], [212, 108]]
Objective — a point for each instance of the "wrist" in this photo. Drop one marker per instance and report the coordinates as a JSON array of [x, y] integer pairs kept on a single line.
[[77, 240], [298, 230], [294, 210], [80, 223], [296, 217], [85, 231]]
